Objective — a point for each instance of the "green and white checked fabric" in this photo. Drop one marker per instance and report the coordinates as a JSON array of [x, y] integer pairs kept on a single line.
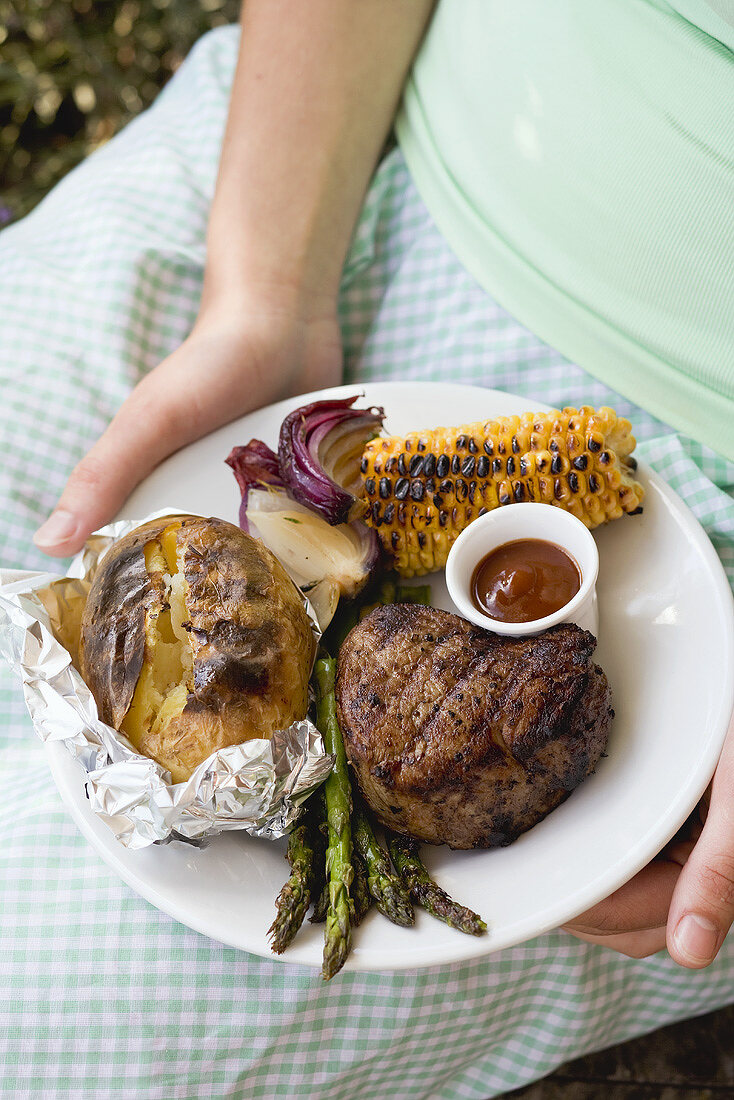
[[101, 995]]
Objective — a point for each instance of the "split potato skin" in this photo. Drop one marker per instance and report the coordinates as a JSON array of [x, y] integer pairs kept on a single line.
[[194, 638]]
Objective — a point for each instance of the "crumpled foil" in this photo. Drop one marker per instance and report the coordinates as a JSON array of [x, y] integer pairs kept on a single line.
[[258, 786]]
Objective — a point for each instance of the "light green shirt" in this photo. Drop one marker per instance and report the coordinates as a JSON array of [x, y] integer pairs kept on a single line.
[[578, 155]]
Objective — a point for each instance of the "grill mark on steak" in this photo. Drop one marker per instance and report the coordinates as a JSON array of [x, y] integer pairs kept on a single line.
[[476, 736]]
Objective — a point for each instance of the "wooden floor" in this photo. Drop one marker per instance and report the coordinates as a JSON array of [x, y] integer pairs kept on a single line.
[[689, 1061]]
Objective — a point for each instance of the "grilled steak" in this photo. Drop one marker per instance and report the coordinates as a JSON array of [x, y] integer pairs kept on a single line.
[[459, 736]]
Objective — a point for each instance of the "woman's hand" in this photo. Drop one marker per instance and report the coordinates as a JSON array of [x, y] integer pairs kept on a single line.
[[236, 359], [312, 101], [683, 899]]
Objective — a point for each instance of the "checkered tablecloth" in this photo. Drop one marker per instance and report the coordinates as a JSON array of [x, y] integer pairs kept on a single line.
[[101, 995]]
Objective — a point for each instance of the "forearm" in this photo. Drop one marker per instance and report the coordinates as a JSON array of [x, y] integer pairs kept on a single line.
[[314, 94]]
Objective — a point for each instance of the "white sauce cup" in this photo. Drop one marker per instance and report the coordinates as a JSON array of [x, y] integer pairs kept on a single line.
[[525, 521]]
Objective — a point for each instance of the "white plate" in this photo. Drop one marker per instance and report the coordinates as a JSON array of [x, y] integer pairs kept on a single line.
[[666, 644]]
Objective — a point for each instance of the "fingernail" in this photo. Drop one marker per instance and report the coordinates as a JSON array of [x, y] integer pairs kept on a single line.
[[59, 527], [697, 938]]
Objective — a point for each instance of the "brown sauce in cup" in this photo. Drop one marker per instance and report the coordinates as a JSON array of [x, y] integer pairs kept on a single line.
[[524, 580]]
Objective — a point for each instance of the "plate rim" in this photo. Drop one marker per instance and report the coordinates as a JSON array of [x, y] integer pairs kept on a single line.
[[467, 948]]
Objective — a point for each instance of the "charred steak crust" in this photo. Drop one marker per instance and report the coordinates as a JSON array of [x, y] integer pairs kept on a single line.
[[463, 737]]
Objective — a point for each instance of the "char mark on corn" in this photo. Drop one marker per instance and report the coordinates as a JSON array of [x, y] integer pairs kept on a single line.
[[423, 489]]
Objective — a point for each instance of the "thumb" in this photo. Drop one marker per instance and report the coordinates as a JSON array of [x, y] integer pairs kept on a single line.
[[143, 432], [632, 920], [702, 908]]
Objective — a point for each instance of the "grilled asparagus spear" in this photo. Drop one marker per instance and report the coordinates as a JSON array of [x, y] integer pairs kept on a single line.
[[361, 897], [419, 593], [339, 871], [293, 901], [320, 891], [320, 906], [423, 890], [391, 897]]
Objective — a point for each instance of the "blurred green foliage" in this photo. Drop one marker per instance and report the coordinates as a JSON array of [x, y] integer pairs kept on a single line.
[[73, 72]]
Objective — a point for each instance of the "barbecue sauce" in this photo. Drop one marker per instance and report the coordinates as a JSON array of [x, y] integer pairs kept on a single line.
[[524, 580]]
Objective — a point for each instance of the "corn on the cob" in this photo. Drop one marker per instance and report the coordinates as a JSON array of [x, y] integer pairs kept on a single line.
[[423, 489]]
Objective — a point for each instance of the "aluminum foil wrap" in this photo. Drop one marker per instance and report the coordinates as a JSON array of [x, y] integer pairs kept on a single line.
[[257, 786]]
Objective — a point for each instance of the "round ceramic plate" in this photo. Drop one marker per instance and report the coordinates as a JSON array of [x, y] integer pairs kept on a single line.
[[666, 643]]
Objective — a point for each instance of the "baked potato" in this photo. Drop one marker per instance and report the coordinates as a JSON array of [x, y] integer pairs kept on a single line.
[[193, 638]]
